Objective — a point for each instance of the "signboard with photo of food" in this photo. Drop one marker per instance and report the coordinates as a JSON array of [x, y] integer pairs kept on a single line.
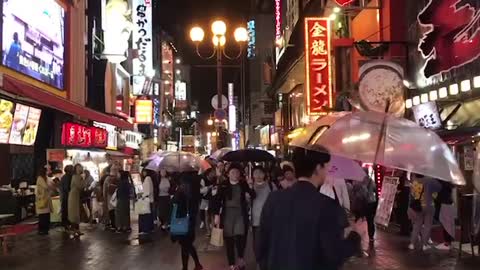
[[381, 87], [6, 119], [31, 129], [19, 124]]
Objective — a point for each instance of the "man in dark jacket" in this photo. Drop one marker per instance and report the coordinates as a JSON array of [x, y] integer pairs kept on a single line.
[[301, 228]]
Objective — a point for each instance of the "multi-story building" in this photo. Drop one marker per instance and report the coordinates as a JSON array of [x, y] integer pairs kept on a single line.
[[260, 60], [346, 36]]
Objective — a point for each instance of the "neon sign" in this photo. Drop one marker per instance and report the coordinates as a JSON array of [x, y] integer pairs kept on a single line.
[[318, 68], [278, 19]]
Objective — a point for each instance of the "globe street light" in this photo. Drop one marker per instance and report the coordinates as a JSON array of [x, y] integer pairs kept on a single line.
[[197, 34], [219, 28], [219, 40], [241, 34]]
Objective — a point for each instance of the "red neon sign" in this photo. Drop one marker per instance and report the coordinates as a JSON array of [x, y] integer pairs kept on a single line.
[[317, 50], [83, 136], [278, 19], [344, 2]]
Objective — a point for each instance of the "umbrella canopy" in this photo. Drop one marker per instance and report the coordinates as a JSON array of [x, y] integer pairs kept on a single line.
[[389, 141], [311, 130], [175, 162], [217, 155], [346, 168], [244, 155]]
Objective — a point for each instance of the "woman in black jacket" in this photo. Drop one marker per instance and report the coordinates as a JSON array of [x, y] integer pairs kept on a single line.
[[185, 201], [232, 214]]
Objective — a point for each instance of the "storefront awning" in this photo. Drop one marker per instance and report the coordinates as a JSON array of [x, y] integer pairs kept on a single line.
[[50, 100]]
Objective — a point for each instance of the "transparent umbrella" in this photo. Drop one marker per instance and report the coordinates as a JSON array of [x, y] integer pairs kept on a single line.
[[175, 162], [307, 133], [389, 141], [217, 155]]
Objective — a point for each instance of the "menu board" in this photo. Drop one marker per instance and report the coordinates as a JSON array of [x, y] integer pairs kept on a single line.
[[31, 129], [386, 200], [6, 119], [19, 124]]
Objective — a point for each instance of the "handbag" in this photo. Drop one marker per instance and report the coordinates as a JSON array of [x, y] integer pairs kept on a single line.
[[178, 226], [216, 239], [142, 206], [113, 199], [416, 204]]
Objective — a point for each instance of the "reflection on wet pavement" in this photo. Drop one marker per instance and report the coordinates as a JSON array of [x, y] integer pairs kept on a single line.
[[101, 250]]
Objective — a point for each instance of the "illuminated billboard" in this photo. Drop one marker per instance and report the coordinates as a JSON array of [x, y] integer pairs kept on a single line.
[[34, 38]]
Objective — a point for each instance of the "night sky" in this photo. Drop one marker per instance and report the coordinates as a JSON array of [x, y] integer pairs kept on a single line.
[[178, 16]]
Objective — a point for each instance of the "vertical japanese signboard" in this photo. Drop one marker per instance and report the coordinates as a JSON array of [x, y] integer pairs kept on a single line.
[[318, 89], [278, 19], [142, 41]]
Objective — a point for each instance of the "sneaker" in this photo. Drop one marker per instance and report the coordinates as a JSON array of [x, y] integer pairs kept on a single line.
[[426, 247], [411, 247], [443, 246]]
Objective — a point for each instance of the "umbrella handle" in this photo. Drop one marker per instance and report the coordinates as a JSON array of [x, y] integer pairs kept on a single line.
[[382, 131]]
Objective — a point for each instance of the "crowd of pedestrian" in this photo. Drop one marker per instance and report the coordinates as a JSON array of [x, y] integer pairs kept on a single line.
[[299, 216]]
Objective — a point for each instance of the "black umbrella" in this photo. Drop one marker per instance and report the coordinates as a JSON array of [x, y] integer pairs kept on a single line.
[[248, 155]]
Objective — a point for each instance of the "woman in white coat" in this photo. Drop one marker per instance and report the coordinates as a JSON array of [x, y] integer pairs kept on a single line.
[[145, 204]]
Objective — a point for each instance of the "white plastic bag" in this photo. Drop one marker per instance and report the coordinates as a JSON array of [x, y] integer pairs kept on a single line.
[[142, 206]]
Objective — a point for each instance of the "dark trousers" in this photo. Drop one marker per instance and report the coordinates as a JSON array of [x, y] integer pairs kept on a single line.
[[188, 250], [371, 211], [237, 241], [203, 215], [403, 220], [64, 212], [255, 232], [43, 223], [447, 238], [111, 214]]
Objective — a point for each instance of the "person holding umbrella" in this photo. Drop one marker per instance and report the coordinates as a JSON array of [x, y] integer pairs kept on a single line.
[[294, 234], [186, 205], [232, 214]]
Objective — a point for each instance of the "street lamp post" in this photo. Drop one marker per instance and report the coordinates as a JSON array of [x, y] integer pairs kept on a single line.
[[219, 30]]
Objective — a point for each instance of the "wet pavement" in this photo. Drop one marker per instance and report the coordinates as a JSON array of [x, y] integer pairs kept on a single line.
[[101, 250]]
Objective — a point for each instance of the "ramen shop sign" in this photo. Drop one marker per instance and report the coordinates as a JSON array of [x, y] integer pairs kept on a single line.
[[77, 135], [318, 69]]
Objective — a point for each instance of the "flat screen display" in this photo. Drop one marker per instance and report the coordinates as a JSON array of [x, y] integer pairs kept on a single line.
[[7, 109], [33, 33]]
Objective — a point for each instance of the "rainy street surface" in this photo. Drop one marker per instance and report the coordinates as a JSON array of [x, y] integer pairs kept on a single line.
[[102, 250]]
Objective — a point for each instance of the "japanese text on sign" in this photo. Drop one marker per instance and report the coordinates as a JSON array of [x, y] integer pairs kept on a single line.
[[278, 19], [318, 69], [142, 41], [83, 136]]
